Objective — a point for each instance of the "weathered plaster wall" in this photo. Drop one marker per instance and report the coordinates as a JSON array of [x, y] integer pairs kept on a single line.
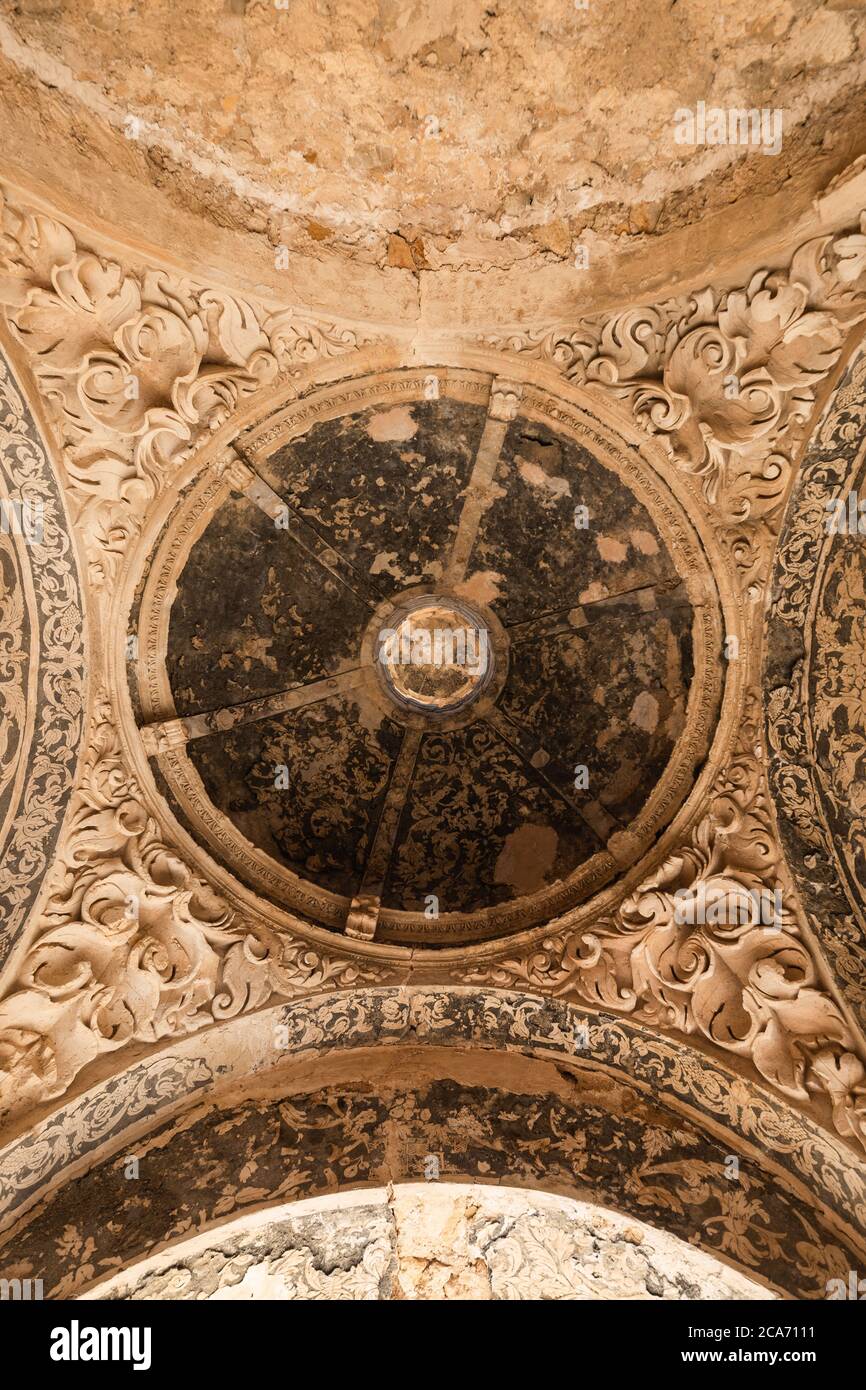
[[436, 1242], [465, 137]]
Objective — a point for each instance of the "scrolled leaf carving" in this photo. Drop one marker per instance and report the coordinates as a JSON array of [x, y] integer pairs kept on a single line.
[[725, 381], [138, 366], [684, 951], [134, 946]]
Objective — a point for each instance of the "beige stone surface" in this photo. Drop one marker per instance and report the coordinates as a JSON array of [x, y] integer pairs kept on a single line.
[[391, 139], [435, 1242]]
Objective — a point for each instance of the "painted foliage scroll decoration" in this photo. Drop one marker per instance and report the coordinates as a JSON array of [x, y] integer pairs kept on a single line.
[[42, 672]]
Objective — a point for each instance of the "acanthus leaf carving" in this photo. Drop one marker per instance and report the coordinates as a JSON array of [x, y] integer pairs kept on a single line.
[[134, 946], [724, 381], [138, 366], [747, 986]]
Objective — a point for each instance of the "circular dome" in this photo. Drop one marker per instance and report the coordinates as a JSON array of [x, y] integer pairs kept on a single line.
[[438, 663]]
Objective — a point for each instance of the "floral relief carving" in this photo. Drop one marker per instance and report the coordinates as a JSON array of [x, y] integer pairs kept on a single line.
[[725, 381], [660, 1169], [685, 952], [456, 1017], [138, 366], [134, 946]]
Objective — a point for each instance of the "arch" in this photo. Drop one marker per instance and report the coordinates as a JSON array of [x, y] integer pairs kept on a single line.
[[343, 1093], [815, 724]]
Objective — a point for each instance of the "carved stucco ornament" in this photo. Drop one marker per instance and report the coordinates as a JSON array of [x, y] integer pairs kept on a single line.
[[725, 381], [137, 365], [814, 677], [42, 675], [750, 988], [134, 945], [795, 1217]]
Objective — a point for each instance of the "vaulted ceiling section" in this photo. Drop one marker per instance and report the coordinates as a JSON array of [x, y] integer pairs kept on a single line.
[[278, 377]]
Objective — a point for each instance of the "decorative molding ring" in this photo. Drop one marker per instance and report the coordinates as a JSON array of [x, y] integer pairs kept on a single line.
[[200, 490]]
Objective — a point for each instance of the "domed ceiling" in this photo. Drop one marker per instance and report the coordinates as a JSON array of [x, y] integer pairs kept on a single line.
[[458, 668]]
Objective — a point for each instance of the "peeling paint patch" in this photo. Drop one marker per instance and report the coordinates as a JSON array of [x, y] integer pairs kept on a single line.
[[645, 712], [537, 476], [386, 562], [611, 549], [250, 650], [482, 587], [675, 722], [390, 426], [644, 542], [526, 858]]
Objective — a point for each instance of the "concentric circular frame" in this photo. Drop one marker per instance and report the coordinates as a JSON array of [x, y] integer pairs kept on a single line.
[[462, 713], [238, 867]]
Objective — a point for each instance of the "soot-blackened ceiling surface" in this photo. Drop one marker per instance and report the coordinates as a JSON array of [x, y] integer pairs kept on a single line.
[[593, 665]]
